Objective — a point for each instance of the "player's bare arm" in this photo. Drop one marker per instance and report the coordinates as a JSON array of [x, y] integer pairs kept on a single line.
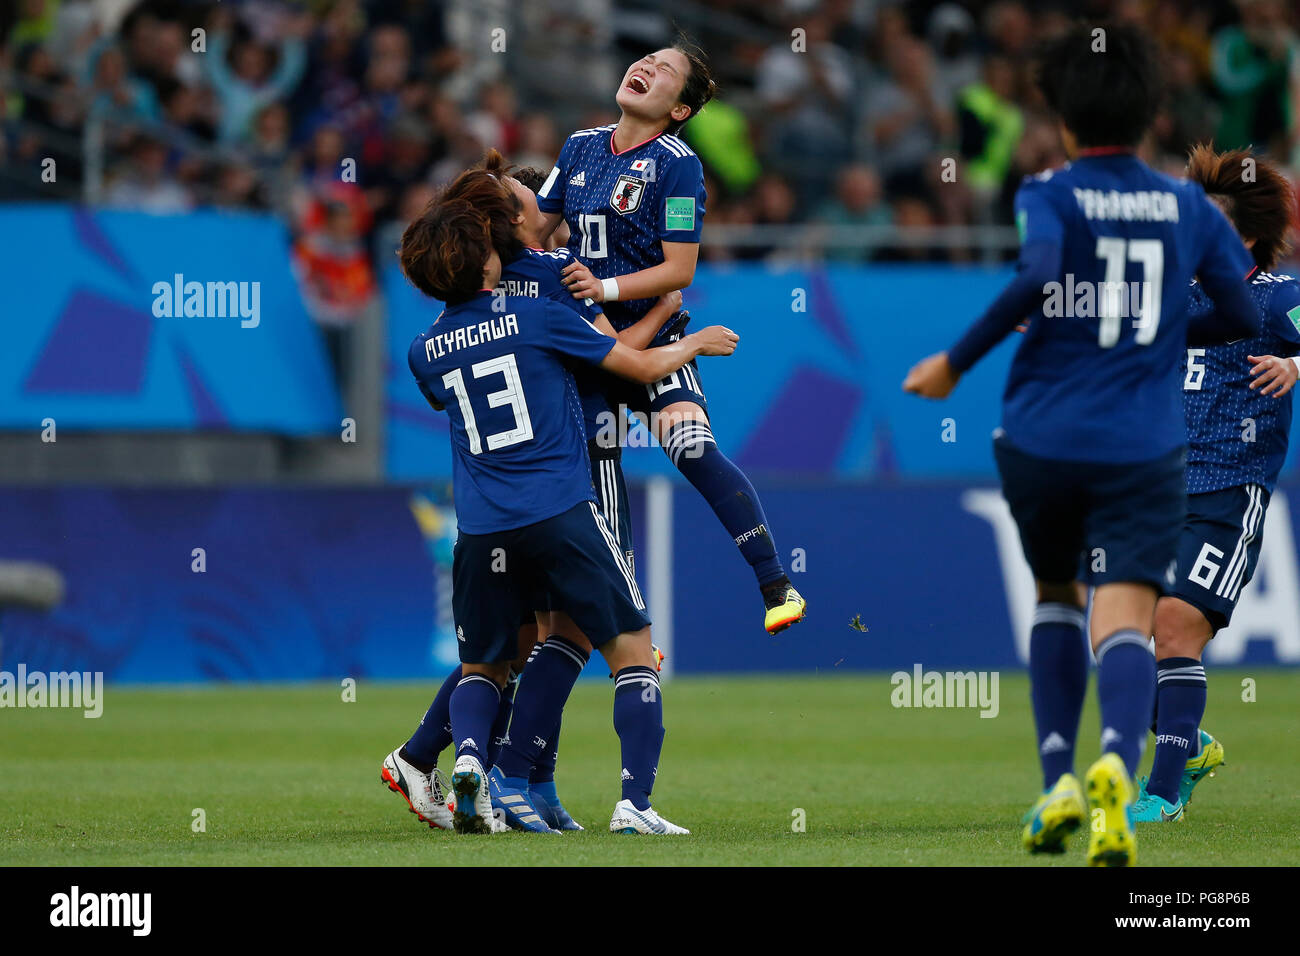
[[654, 364], [641, 333], [677, 271]]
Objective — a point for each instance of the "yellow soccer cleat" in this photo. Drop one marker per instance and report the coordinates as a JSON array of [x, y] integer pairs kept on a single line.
[[1054, 816], [789, 610], [1113, 841], [1203, 765]]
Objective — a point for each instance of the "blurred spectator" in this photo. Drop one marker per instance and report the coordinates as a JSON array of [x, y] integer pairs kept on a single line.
[[241, 72], [990, 126], [805, 93], [111, 89], [334, 270], [906, 122], [145, 182], [858, 202], [720, 136], [1252, 64]]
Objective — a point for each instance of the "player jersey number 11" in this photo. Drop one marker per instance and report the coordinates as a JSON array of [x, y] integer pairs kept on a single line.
[[1114, 299], [512, 395]]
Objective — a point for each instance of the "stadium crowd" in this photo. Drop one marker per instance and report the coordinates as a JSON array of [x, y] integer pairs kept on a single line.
[[832, 111]]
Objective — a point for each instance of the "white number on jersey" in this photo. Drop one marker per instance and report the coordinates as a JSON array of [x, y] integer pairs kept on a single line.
[[594, 244], [512, 395], [1195, 371], [1114, 297]]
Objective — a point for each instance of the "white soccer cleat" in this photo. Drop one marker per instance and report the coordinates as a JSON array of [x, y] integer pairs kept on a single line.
[[425, 793], [628, 819], [473, 807]]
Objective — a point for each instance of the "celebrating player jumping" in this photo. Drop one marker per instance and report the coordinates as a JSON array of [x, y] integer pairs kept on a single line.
[[633, 196]]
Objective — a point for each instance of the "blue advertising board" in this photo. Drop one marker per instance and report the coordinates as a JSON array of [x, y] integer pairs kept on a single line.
[[294, 584], [125, 320]]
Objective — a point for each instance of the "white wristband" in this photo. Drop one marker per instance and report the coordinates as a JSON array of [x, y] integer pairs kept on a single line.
[[610, 287], [1296, 360]]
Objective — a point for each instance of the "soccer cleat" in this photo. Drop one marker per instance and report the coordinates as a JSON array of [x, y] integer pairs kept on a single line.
[[513, 805], [1112, 841], [1148, 808], [788, 609], [547, 802], [425, 793], [628, 819], [473, 807], [1054, 816], [1199, 767]]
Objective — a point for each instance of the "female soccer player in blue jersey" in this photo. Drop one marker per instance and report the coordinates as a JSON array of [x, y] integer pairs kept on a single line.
[[1092, 443], [1237, 404], [632, 194]]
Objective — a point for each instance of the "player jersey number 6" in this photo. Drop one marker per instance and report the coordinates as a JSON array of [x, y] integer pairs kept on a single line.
[[512, 395]]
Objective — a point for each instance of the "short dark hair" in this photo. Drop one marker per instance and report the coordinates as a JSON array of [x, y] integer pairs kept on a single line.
[[444, 250], [1259, 206], [530, 177], [1103, 81], [699, 87]]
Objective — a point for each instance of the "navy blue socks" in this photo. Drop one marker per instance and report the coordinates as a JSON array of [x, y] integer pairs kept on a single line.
[[474, 705], [1058, 681], [639, 723], [1126, 678], [543, 691], [694, 452], [433, 735], [1181, 691]]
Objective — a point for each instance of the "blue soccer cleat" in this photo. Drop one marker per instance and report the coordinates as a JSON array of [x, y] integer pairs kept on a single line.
[[1203, 765], [547, 802], [1149, 808], [510, 799]]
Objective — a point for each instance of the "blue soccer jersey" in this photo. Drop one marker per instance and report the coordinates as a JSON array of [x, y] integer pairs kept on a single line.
[[1237, 436], [538, 275], [519, 455], [621, 206], [1095, 378]]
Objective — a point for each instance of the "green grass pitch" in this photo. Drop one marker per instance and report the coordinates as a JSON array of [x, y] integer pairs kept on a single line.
[[290, 775]]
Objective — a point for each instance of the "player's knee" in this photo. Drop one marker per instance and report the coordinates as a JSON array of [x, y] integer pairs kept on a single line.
[[498, 673], [1066, 592], [562, 626], [1181, 630], [630, 649]]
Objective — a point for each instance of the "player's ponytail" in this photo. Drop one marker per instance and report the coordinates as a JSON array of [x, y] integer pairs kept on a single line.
[[1253, 193]]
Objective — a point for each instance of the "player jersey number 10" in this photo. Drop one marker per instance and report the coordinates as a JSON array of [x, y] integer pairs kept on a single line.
[[1114, 299], [512, 395], [594, 244]]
